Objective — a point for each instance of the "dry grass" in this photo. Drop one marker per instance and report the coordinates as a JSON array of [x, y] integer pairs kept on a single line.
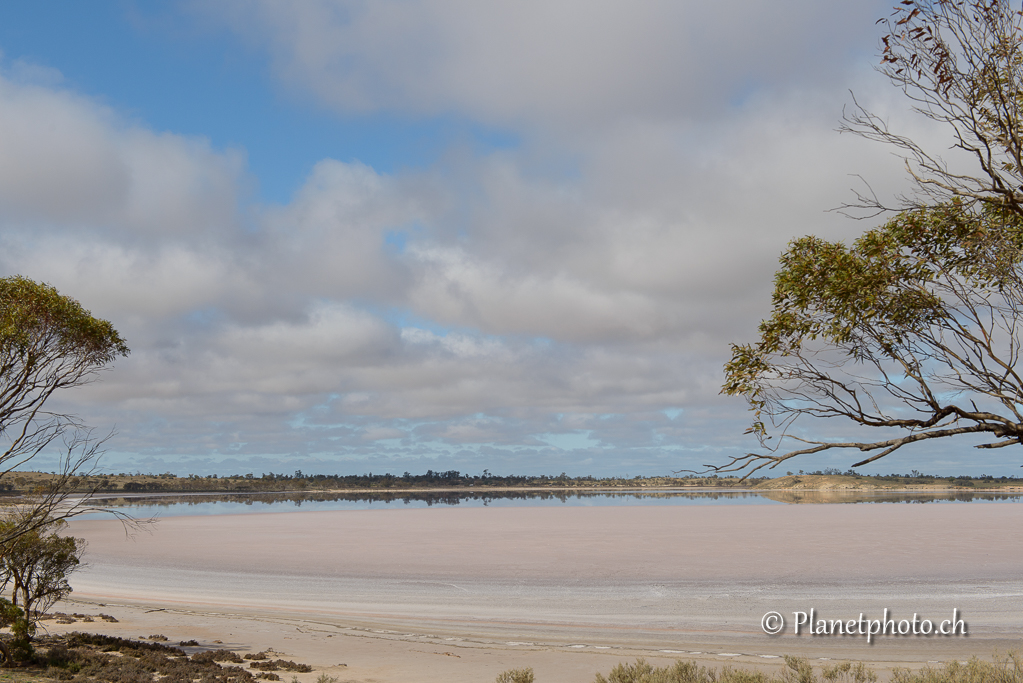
[[1007, 669]]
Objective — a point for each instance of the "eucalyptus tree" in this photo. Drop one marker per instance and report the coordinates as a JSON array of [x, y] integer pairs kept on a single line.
[[914, 330], [48, 343], [35, 566]]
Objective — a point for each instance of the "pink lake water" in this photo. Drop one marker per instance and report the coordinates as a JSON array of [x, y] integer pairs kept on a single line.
[[678, 578]]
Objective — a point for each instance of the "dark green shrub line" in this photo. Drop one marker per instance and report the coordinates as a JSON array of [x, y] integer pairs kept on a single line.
[[167, 482], [90, 658]]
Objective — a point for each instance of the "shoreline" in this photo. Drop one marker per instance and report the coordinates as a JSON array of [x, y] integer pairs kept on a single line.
[[567, 591], [367, 651], [922, 488]]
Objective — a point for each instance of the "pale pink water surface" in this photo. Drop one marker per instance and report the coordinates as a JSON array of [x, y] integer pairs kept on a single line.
[[672, 577]]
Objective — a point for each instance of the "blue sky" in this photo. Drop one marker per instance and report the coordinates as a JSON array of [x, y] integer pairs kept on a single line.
[[390, 236], [168, 72]]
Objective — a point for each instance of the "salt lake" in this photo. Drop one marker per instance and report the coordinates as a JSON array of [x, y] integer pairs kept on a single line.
[[159, 505], [693, 576]]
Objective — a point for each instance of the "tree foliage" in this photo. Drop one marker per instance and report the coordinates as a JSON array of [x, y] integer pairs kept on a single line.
[[960, 64], [48, 342], [915, 328], [34, 568], [13, 617], [35, 565]]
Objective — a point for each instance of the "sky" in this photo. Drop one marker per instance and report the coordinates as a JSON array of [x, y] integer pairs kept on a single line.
[[346, 236]]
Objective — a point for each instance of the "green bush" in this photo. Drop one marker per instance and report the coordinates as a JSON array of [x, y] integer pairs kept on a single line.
[[515, 676], [18, 649]]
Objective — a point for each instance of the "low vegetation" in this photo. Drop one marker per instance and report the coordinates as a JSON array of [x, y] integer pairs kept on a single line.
[[453, 480], [87, 658], [515, 676], [798, 670], [27, 482]]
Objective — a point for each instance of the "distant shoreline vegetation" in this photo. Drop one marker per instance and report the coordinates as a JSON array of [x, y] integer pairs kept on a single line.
[[27, 482], [23, 482]]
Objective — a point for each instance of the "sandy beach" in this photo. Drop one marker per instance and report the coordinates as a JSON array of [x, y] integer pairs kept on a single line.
[[452, 594]]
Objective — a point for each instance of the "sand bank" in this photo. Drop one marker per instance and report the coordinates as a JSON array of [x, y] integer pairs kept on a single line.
[[461, 594]]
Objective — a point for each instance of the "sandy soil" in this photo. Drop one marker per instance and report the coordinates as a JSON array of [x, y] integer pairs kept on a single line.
[[462, 594]]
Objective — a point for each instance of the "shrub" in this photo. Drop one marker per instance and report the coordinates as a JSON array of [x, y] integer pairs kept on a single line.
[[644, 672], [1008, 669], [847, 672], [115, 644], [514, 676], [798, 670], [1003, 670], [281, 665], [19, 649], [216, 656]]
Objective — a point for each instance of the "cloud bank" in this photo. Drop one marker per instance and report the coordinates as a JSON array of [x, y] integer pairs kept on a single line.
[[564, 303]]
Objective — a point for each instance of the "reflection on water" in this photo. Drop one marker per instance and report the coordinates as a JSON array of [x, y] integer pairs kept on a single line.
[[150, 505], [851, 496]]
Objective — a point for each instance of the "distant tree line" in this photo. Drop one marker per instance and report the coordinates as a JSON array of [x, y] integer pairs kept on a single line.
[[300, 481]]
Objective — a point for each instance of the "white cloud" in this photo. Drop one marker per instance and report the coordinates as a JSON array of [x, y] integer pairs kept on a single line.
[[57, 159], [67, 161], [330, 241], [492, 301], [570, 63]]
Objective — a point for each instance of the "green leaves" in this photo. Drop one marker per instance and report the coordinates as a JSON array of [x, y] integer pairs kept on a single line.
[[889, 295], [47, 342], [32, 314], [37, 563], [917, 327]]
